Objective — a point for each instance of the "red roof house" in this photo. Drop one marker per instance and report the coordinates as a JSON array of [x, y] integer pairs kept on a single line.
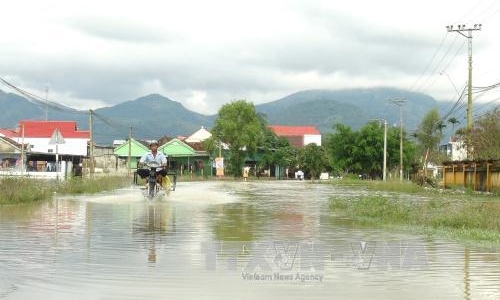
[[298, 136], [45, 129], [40, 135], [8, 133]]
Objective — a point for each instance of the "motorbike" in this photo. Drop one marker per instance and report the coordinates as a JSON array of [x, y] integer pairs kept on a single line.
[[153, 187]]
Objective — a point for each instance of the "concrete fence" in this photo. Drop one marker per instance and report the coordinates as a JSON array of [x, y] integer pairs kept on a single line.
[[479, 175]]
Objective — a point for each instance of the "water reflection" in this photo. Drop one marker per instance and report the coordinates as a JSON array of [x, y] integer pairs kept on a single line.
[[118, 246], [237, 222], [153, 227]]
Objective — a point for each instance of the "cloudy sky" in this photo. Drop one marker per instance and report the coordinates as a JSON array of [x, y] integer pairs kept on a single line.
[[90, 54]]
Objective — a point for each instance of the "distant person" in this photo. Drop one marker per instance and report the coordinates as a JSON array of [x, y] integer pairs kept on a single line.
[[153, 155], [246, 170]]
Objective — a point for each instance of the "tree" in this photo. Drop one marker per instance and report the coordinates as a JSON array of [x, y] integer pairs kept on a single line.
[[313, 160], [429, 134], [453, 121], [485, 137], [238, 126], [362, 151], [339, 147]]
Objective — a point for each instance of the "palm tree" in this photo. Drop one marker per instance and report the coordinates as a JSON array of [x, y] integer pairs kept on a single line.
[[453, 121], [440, 126]]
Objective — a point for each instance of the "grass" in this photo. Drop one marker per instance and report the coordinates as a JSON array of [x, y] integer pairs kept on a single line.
[[462, 217], [27, 190], [23, 190], [378, 185], [94, 185]]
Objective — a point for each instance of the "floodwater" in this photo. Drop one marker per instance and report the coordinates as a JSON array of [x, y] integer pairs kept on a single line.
[[227, 240]]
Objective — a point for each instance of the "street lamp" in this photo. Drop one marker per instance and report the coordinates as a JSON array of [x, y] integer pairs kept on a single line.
[[384, 169], [399, 102]]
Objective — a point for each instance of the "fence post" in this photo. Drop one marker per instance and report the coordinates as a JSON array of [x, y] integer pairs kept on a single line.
[[488, 177]]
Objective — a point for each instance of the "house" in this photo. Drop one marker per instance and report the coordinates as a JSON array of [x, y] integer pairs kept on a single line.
[[10, 153], [51, 136], [55, 146], [455, 149], [133, 149], [182, 157], [199, 136], [298, 136], [186, 157]]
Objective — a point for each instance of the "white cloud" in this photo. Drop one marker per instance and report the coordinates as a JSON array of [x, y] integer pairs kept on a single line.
[[206, 53]]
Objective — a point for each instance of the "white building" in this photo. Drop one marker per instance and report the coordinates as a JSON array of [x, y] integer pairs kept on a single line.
[[298, 136], [455, 149], [199, 136]]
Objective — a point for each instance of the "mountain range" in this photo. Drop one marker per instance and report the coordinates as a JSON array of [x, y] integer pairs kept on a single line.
[[155, 116]]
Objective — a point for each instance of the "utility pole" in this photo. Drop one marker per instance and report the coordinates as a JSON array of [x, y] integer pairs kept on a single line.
[[384, 175], [46, 103], [461, 29], [22, 150], [399, 102], [129, 150], [91, 146]]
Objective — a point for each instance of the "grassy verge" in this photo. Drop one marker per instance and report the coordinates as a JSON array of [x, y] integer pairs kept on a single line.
[[27, 190], [467, 218], [378, 185]]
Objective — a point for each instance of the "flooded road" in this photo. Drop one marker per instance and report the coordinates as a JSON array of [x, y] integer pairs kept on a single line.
[[227, 240]]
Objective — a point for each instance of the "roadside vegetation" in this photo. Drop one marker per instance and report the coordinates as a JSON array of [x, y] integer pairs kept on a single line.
[[459, 215], [26, 190]]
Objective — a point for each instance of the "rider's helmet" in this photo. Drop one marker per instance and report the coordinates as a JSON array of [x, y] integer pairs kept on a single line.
[[153, 143]]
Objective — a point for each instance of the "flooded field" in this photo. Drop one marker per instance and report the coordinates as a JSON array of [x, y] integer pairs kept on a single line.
[[227, 240]]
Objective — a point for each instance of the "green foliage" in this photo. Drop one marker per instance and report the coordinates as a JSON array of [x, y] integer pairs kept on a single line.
[[26, 190], [453, 121], [468, 218], [363, 151], [23, 190], [276, 151], [340, 146], [485, 136], [428, 135], [239, 127], [77, 185], [313, 159]]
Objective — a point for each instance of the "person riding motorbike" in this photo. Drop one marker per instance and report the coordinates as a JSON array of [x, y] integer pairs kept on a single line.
[[153, 155]]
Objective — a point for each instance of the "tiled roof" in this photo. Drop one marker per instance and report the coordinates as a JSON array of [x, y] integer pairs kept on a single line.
[[44, 129], [8, 133], [10, 141], [294, 130]]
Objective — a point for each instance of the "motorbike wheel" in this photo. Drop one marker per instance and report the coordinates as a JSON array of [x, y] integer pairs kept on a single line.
[[152, 189]]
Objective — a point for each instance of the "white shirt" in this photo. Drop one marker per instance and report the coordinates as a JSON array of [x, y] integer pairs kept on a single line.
[[160, 158]]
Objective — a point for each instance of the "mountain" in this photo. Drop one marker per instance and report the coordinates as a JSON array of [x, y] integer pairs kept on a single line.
[[352, 107], [149, 117], [155, 116]]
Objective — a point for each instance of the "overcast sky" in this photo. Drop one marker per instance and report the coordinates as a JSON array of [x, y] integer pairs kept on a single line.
[[203, 54]]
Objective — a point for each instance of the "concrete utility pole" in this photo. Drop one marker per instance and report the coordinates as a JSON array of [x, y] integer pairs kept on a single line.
[[129, 158], [384, 176], [461, 29], [46, 103], [91, 146], [399, 102]]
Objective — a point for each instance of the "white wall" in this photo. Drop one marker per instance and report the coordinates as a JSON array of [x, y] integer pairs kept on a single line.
[[458, 151], [71, 146], [312, 139]]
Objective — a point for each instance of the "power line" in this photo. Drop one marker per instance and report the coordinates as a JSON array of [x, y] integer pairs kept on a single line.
[[35, 99]]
